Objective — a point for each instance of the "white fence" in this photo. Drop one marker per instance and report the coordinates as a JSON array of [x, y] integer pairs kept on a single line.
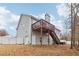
[[7, 40]]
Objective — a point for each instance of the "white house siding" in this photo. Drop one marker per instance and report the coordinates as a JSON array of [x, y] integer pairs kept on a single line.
[[33, 40], [50, 40], [37, 34], [44, 39], [37, 38], [24, 30]]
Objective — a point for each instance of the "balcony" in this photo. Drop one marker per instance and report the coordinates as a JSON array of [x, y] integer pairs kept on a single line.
[[43, 25]]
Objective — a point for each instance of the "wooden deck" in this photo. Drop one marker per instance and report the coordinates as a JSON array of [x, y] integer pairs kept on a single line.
[[44, 25]]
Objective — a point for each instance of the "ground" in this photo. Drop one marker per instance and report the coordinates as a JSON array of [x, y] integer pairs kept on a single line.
[[22, 50]]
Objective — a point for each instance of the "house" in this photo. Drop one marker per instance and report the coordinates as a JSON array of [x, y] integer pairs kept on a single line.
[[31, 30]]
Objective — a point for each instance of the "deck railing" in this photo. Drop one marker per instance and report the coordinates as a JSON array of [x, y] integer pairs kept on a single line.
[[44, 24]]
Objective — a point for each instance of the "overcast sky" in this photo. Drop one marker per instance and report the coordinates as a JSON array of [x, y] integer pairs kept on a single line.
[[10, 13]]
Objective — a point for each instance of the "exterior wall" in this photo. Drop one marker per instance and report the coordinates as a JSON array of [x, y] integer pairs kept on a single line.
[[44, 39], [33, 33], [24, 30], [51, 40], [33, 40], [36, 39]]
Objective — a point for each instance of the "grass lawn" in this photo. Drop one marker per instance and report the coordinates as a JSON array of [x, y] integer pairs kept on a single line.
[[25, 50]]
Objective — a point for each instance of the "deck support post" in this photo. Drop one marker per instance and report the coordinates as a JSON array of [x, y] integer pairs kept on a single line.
[[52, 41], [41, 33], [48, 38], [31, 35]]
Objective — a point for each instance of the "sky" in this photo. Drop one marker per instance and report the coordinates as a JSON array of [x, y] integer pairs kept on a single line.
[[10, 14]]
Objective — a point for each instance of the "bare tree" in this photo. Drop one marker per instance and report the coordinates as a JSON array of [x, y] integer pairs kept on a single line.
[[74, 9]]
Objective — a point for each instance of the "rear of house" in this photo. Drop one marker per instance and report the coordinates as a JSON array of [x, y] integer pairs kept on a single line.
[[26, 34]]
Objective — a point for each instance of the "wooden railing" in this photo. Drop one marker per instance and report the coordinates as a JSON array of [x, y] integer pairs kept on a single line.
[[44, 24]]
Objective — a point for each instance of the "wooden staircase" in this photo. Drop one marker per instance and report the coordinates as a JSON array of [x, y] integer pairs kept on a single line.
[[55, 37]]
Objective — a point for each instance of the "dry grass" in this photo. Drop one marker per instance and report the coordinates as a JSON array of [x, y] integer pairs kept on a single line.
[[22, 50]]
